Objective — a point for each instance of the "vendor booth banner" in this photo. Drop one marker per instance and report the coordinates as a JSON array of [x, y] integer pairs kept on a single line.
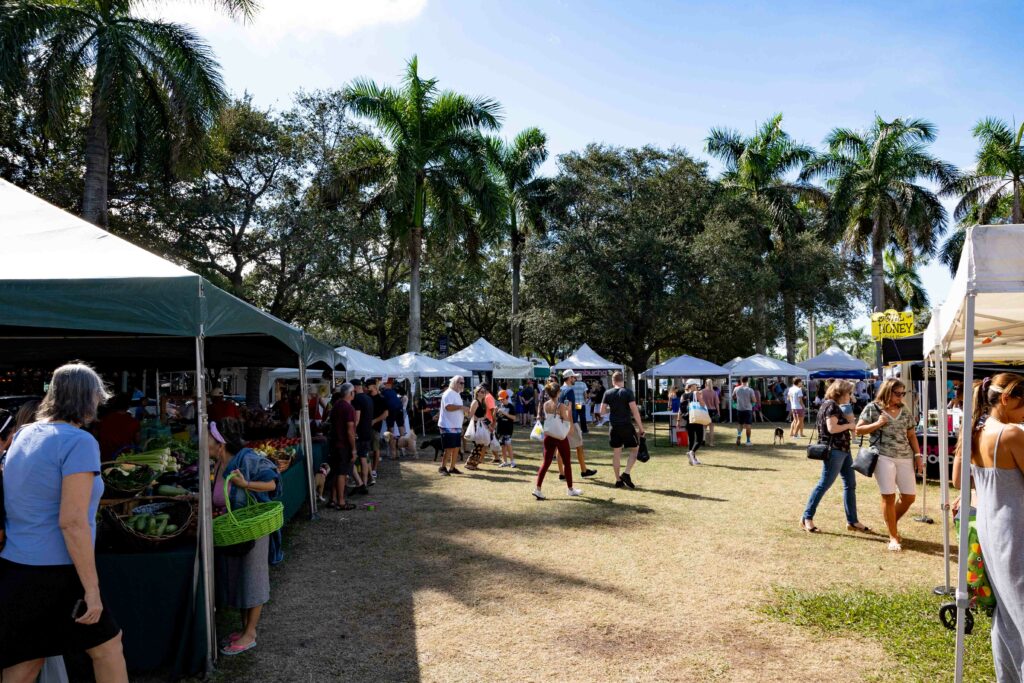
[[892, 324]]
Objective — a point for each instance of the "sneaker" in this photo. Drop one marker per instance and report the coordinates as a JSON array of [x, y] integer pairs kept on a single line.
[[561, 477], [628, 480], [454, 471], [689, 455], [372, 482], [696, 461], [620, 484], [443, 471], [588, 473], [538, 495], [574, 492], [373, 475], [748, 443], [512, 465]]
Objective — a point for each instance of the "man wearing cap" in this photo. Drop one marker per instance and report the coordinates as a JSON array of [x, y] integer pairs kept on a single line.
[[568, 396], [363, 405], [221, 407]]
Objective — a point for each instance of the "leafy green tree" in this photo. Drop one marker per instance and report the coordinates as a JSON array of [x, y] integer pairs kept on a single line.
[[147, 84], [858, 343], [878, 197], [992, 192], [903, 289], [516, 164], [431, 167], [759, 168]]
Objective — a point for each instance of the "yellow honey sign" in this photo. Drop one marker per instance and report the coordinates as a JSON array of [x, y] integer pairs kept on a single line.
[[892, 324]]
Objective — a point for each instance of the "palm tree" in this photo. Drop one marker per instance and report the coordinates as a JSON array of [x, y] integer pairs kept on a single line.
[[144, 82], [903, 287], [758, 168], [993, 190], [431, 168], [858, 342], [515, 165], [876, 196]]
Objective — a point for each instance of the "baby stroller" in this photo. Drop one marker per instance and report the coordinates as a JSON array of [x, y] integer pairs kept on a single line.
[[978, 587]]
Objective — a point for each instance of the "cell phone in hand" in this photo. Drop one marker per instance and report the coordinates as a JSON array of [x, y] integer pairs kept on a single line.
[[79, 610]]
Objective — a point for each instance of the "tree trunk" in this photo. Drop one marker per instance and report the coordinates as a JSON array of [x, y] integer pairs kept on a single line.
[[415, 258], [760, 305], [1017, 217], [517, 262], [252, 387], [97, 165], [789, 320], [877, 280]]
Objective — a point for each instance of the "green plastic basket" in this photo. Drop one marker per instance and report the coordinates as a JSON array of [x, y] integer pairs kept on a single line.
[[254, 521]]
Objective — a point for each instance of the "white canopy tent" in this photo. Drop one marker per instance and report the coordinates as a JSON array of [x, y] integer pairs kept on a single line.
[[759, 365], [414, 366], [982, 318], [728, 364], [833, 362], [483, 356], [586, 358], [686, 366], [359, 364]]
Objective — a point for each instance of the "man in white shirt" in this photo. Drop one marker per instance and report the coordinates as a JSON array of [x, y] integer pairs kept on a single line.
[[449, 421], [797, 406]]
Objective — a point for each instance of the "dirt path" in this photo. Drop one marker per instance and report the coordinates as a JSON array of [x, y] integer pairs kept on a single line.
[[470, 579]]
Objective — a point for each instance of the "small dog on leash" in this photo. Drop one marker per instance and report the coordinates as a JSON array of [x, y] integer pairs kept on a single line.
[[435, 444], [321, 480], [780, 437]]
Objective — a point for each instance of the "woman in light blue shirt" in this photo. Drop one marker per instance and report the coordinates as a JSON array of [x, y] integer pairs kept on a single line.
[[49, 588]]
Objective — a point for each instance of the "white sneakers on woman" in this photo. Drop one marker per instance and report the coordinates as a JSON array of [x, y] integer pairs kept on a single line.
[[693, 458], [574, 492], [539, 495]]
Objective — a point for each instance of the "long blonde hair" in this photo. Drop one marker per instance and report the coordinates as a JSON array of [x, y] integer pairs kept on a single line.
[[987, 394]]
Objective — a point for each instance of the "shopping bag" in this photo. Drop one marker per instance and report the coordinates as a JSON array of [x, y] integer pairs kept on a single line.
[[698, 414], [478, 433], [556, 427], [642, 453], [537, 433]]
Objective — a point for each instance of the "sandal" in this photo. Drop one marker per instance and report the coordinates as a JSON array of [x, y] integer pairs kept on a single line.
[[232, 637], [809, 529], [347, 506], [231, 650], [895, 546], [858, 527]]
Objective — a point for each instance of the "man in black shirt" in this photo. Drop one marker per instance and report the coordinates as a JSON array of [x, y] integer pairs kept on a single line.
[[619, 405], [363, 406], [380, 413]]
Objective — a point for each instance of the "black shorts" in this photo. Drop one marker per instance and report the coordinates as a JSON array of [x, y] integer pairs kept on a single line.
[[341, 463], [451, 439], [392, 421], [363, 447], [622, 436], [36, 604], [744, 417]]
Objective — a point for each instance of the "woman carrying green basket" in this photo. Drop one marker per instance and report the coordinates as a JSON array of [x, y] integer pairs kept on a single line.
[[242, 478]]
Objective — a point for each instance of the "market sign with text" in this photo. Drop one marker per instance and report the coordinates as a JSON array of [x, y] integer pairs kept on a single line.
[[892, 324]]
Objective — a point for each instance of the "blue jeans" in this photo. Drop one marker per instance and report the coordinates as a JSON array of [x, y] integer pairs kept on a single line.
[[839, 463]]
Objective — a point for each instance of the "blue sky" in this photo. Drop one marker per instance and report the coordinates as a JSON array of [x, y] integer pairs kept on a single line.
[[631, 73]]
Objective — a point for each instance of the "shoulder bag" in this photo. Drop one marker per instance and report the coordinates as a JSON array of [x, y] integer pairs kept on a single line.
[[820, 451], [696, 413], [867, 458], [555, 426]]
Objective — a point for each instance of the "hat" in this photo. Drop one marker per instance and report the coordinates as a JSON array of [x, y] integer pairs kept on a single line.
[[503, 394], [217, 392], [569, 373], [357, 382], [693, 382]]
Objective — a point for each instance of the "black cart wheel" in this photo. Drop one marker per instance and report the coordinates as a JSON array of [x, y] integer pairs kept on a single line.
[[947, 615]]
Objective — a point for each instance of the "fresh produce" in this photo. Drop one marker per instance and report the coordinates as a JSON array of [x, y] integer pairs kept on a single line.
[[128, 477], [171, 490], [159, 459], [277, 449], [151, 525]]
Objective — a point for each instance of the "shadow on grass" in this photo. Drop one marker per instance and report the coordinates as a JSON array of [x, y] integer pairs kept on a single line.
[[882, 538], [737, 468], [343, 604]]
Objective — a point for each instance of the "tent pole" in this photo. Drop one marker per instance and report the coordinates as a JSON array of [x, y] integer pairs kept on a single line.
[[205, 507], [923, 517], [159, 415], [943, 444], [307, 437], [962, 597]]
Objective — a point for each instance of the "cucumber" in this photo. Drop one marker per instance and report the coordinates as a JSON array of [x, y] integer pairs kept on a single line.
[[139, 522], [151, 527], [169, 490], [161, 525], [170, 528]]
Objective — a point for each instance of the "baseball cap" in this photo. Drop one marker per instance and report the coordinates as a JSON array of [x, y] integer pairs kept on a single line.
[[502, 394], [569, 373]]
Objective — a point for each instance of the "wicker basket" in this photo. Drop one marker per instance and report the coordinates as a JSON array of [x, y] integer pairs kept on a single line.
[[181, 509], [255, 520], [115, 492]]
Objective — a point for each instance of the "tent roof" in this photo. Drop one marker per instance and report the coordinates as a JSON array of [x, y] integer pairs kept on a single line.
[[729, 364], [835, 360], [585, 358], [764, 366], [686, 366], [359, 364], [992, 267], [483, 356], [415, 365], [76, 291]]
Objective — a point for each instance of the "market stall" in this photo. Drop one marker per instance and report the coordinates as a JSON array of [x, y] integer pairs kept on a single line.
[[416, 366], [683, 367], [982, 319], [759, 366], [588, 362], [834, 363], [70, 290], [484, 357], [362, 365]]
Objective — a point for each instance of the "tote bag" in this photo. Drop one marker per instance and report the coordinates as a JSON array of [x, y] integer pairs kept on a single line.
[[555, 426], [698, 414]]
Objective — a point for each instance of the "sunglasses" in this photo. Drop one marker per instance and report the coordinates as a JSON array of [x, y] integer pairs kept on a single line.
[[899, 393]]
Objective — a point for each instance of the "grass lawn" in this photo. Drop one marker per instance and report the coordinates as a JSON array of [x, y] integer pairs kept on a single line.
[[701, 574]]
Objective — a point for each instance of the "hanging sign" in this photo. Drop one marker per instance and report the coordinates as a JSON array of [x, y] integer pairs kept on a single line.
[[892, 324]]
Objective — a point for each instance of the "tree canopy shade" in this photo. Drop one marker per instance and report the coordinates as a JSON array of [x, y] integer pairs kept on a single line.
[[431, 168], [147, 84]]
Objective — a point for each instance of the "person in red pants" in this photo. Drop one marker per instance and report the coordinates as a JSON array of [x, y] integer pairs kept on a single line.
[[552, 445]]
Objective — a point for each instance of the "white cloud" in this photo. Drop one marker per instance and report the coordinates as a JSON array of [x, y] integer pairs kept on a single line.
[[294, 18]]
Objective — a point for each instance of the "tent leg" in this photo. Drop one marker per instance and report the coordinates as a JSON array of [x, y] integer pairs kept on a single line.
[[962, 597], [307, 437], [923, 517], [205, 510], [943, 445]]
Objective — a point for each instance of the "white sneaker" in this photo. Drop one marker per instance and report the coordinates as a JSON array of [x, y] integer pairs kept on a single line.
[[696, 461], [574, 492], [748, 444], [512, 465], [539, 495], [692, 458], [504, 464]]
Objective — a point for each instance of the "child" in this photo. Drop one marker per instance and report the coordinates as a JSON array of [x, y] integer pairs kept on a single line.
[[504, 428]]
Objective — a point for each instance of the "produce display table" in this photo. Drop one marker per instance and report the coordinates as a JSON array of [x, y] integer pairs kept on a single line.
[[296, 486]]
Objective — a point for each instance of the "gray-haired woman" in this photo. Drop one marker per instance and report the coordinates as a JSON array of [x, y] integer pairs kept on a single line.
[[49, 588]]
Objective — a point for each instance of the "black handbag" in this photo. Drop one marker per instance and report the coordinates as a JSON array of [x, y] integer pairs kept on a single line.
[[866, 458], [642, 454], [820, 451]]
